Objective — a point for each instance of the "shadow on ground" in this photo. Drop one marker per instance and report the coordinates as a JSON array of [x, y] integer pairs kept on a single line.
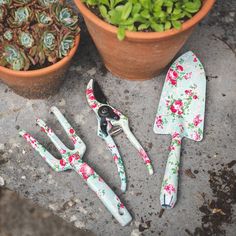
[[20, 217]]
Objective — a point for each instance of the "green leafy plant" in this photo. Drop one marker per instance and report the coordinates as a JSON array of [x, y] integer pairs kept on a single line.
[[35, 33], [145, 15]]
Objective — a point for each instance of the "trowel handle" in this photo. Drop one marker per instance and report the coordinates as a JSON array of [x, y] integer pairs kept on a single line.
[[104, 192], [168, 196]]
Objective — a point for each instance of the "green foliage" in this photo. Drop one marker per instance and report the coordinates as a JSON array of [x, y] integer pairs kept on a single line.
[[145, 15], [35, 33]]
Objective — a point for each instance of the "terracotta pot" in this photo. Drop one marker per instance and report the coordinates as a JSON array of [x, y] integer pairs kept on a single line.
[[40, 83], [142, 55]]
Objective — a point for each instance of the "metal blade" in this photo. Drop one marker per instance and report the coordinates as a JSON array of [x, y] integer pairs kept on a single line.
[[98, 94], [182, 103]]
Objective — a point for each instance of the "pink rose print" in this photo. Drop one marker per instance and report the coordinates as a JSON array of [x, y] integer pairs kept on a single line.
[[144, 155], [196, 136], [171, 148], [197, 120], [188, 75], [86, 171], [175, 134], [195, 97], [72, 131], [62, 151], [74, 140], [188, 92], [89, 91], [62, 162], [159, 122], [94, 105], [176, 107], [115, 157], [179, 68], [195, 59], [30, 139], [172, 76], [169, 188], [73, 158]]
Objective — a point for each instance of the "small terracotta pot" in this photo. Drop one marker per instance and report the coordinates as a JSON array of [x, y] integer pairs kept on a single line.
[[37, 84], [141, 55]]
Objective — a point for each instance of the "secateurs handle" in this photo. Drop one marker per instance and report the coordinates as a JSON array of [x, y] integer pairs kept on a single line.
[[118, 160], [169, 188], [125, 126]]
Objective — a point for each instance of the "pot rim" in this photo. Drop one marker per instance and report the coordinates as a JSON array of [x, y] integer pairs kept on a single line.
[[46, 70], [146, 35]]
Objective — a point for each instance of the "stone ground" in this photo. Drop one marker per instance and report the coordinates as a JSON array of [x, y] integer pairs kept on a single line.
[[207, 196]]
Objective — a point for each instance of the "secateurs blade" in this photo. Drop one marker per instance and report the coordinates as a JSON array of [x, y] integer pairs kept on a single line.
[[72, 159], [110, 122]]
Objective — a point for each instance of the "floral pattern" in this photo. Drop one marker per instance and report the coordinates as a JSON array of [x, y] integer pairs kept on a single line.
[[181, 114], [121, 122], [72, 159]]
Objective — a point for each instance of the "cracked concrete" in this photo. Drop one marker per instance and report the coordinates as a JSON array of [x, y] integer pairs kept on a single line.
[[214, 42]]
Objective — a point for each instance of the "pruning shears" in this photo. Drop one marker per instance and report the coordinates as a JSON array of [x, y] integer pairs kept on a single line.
[[112, 122]]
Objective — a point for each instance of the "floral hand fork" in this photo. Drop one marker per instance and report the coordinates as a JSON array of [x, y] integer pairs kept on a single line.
[[111, 122], [181, 114], [72, 159]]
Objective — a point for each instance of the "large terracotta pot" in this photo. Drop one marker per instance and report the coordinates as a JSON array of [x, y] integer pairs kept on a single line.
[[142, 55], [40, 83]]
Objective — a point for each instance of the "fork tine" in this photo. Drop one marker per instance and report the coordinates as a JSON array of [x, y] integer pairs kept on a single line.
[[57, 165], [77, 141], [53, 137]]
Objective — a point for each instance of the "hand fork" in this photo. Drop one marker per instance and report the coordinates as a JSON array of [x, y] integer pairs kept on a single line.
[[72, 159]]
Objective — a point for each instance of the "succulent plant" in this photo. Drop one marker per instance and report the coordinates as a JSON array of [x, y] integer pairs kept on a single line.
[[65, 16], [26, 39], [5, 2], [66, 43], [43, 18], [47, 3], [145, 15], [15, 57], [8, 35], [49, 41], [35, 34]]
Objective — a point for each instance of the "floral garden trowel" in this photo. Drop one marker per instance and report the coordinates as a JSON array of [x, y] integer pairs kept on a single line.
[[181, 114]]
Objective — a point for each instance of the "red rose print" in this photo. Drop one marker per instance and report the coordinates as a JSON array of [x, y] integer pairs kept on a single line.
[[176, 107], [115, 157], [189, 92], [94, 105], [170, 188], [196, 136], [62, 162], [159, 122], [89, 91], [197, 120], [179, 68], [175, 134], [62, 151], [188, 75], [195, 59], [72, 131], [86, 171], [73, 158], [172, 76], [195, 97]]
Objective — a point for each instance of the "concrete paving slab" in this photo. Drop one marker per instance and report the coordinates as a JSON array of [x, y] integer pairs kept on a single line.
[[198, 209]]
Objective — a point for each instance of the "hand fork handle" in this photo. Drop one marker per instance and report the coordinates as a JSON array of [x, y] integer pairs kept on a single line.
[[103, 191]]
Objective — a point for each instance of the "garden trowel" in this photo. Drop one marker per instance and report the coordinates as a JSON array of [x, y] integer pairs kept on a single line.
[[180, 114]]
